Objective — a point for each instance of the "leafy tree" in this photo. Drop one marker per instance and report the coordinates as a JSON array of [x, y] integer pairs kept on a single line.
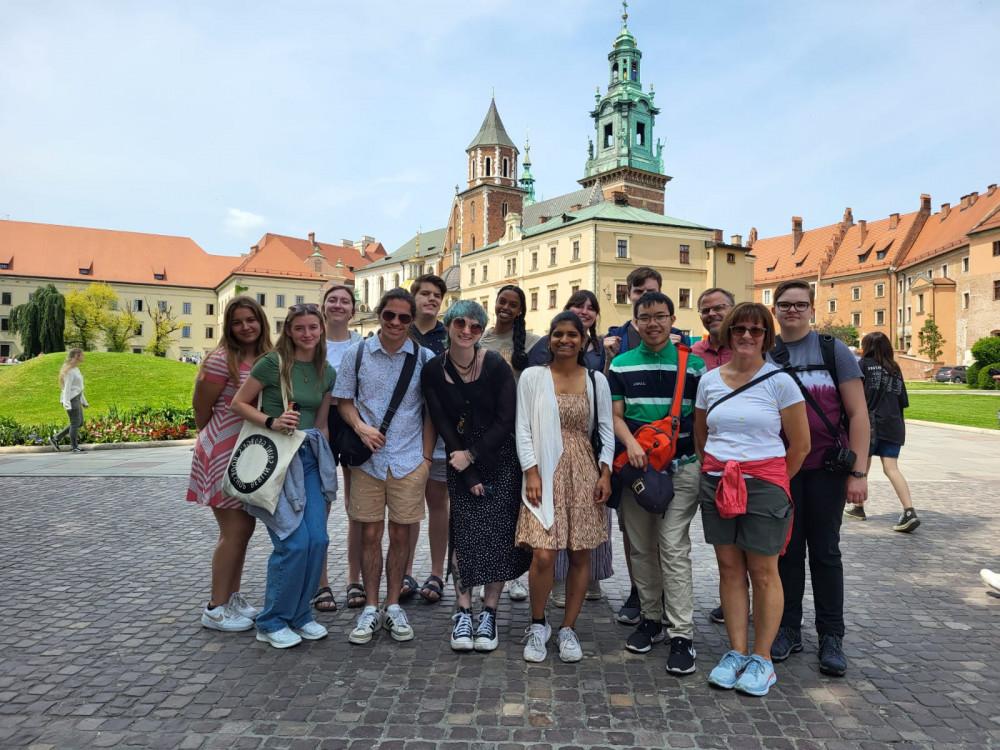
[[165, 325], [39, 322], [846, 333], [987, 350], [86, 313], [931, 340], [118, 328]]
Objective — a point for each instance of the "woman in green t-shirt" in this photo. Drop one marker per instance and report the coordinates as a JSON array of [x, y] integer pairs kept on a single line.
[[299, 362]]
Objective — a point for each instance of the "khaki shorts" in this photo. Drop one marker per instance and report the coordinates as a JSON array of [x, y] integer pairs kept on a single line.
[[404, 496]]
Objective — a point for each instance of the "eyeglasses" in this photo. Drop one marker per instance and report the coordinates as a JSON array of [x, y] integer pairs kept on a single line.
[[308, 307], [471, 325], [714, 309], [659, 318], [798, 306], [741, 331], [404, 318]]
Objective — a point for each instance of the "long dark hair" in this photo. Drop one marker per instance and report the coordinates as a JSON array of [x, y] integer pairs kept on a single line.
[[568, 317], [577, 299], [876, 346], [228, 342], [519, 357]]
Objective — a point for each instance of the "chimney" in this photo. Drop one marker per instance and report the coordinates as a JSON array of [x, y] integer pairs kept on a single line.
[[254, 249], [925, 204], [945, 210], [973, 197], [736, 239], [991, 189], [753, 237], [717, 235], [796, 233], [963, 203], [848, 219], [863, 227], [312, 239], [347, 243], [893, 221]]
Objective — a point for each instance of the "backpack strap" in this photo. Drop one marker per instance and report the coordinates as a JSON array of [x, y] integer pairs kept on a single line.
[[828, 348]]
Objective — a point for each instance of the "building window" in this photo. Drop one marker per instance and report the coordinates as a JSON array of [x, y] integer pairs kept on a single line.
[[137, 305], [162, 305], [138, 329], [899, 315], [381, 286], [855, 293], [996, 290], [920, 304], [114, 305], [640, 134], [621, 294], [909, 281], [731, 259], [944, 270], [685, 254], [996, 248], [503, 209], [622, 251], [856, 319], [186, 332], [279, 325], [880, 290], [485, 270], [576, 250], [505, 172], [301, 300], [930, 273], [210, 308], [552, 255], [209, 332], [965, 300], [185, 308], [909, 313], [5, 298], [684, 298], [965, 264], [473, 243], [4, 266], [511, 266], [880, 317], [472, 208], [395, 281], [534, 261], [831, 306], [609, 135], [262, 299], [574, 289], [85, 272], [552, 299], [159, 277], [534, 299], [766, 297], [472, 276], [4, 324], [279, 300]]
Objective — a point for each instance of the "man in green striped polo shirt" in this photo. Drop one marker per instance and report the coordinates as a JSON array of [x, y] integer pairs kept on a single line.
[[642, 383]]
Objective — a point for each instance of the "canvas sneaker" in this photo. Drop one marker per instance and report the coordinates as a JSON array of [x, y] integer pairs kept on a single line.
[[535, 638], [907, 522], [717, 615], [855, 512], [226, 619], [239, 604], [570, 650], [727, 671], [758, 676], [642, 639], [461, 631], [630, 612], [787, 642], [682, 655], [283, 638], [517, 591], [396, 623], [312, 631], [487, 638], [367, 624], [558, 595]]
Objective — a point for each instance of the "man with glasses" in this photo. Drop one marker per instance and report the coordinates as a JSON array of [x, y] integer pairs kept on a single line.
[[830, 379], [713, 306], [396, 474], [642, 383]]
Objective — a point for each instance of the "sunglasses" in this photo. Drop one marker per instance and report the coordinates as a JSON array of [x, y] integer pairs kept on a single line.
[[741, 331], [471, 325], [404, 318], [308, 307]]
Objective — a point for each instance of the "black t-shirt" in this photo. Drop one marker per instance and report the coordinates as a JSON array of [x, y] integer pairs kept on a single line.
[[886, 397], [434, 339]]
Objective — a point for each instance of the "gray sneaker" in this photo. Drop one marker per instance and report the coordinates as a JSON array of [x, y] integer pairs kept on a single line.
[[535, 638], [569, 646]]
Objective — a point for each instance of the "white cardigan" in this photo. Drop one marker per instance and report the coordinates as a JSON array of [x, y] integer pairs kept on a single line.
[[539, 434], [72, 387]]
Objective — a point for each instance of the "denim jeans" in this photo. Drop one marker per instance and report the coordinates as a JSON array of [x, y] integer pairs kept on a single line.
[[75, 413], [295, 565]]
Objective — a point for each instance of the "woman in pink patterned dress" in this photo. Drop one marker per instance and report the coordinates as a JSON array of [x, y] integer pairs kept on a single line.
[[245, 337]]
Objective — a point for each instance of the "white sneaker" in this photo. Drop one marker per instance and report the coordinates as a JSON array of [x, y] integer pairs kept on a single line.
[[594, 591], [226, 619], [517, 591], [284, 638], [239, 604], [558, 595], [367, 624], [312, 631], [569, 645], [990, 578], [396, 623], [461, 633], [536, 636]]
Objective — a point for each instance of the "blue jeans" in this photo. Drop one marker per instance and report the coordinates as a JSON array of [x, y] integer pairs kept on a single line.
[[295, 565]]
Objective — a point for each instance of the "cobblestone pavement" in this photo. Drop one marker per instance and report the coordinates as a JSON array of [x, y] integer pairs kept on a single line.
[[104, 578]]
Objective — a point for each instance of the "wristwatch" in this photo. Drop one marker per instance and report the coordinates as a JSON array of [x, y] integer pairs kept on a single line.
[[268, 422], [859, 474]]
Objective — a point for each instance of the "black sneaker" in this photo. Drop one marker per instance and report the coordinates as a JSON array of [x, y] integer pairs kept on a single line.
[[831, 655], [630, 612], [856, 512], [907, 522], [787, 642], [641, 641], [681, 659], [716, 615]]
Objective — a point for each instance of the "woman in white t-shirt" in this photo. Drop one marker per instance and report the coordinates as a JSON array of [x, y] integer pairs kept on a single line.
[[741, 411]]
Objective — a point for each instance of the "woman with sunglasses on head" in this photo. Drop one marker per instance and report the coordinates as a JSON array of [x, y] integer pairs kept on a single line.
[[584, 303], [563, 409], [245, 338], [338, 309], [296, 370], [741, 412], [471, 397]]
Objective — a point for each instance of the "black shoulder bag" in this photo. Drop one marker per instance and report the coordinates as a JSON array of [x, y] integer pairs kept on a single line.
[[596, 445], [351, 449]]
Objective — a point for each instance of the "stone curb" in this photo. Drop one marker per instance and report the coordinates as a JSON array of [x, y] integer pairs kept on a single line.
[[98, 446], [959, 427]]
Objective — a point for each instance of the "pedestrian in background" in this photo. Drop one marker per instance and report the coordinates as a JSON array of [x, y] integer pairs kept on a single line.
[[245, 338], [72, 399]]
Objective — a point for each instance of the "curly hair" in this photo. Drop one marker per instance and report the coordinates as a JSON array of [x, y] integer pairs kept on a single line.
[[519, 357]]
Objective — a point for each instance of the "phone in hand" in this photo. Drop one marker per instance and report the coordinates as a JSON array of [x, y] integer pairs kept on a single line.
[[294, 406]]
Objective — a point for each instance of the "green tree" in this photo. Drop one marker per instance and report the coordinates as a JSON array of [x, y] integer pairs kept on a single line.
[[846, 333], [86, 313], [986, 350], [165, 325], [118, 328], [931, 340], [39, 322]]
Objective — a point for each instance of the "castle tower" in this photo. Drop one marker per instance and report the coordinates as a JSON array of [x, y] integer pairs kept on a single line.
[[626, 160], [527, 179]]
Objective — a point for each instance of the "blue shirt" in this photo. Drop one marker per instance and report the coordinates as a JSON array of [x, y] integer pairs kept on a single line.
[[404, 440]]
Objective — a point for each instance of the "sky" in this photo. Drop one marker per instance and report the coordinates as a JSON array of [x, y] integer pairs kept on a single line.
[[221, 121]]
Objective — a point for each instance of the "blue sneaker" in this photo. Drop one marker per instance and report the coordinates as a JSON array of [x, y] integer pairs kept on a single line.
[[728, 670], [757, 677]]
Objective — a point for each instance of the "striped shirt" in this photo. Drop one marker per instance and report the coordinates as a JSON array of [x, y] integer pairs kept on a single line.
[[645, 381]]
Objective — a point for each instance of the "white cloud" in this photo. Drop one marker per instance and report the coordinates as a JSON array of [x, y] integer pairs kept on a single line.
[[240, 223]]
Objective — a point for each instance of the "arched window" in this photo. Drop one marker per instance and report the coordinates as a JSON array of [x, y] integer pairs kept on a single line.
[[472, 208], [635, 71], [472, 168], [381, 287], [503, 209], [365, 287], [614, 73], [395, 281], [505, 168], [473, 243], [489, 167]]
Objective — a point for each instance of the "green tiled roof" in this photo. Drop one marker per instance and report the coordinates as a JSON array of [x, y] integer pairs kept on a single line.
[[609, 211], [492, 132], [430, 242]]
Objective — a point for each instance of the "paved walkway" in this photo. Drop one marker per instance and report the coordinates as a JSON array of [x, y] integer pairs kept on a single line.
[[106, 569]]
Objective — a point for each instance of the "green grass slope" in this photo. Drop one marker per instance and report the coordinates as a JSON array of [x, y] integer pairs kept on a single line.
[[974, 411], [30, 390]]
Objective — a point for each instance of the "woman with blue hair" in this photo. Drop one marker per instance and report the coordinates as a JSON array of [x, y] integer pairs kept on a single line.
[[471, 398]]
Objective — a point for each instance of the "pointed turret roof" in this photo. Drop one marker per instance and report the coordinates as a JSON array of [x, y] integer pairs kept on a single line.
[[492, 132]]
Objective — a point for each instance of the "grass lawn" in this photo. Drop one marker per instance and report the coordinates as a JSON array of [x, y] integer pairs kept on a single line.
[[31, 389], [930, 385], [975, 411]]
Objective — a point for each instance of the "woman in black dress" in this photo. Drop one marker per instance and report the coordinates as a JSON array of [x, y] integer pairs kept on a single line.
[[471, 398]]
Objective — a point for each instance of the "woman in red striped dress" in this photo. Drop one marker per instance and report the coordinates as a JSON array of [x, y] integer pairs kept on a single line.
[[245, 337]]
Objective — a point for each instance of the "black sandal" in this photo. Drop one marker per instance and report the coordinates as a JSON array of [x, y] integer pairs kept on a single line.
[[410, 587], [432, 590], [324, 601], [356, 596]]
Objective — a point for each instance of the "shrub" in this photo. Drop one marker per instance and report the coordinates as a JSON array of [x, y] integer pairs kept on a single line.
[[985, 380], [972, 375], [987, 350], [117, 426]]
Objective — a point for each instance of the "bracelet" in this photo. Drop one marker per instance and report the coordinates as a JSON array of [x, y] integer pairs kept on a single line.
[[428, 458], [268, 422], [472, 456]]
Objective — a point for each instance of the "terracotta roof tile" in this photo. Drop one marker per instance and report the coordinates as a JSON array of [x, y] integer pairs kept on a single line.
[[775, 261], [944, 231], [302, 248], [878, 250]]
